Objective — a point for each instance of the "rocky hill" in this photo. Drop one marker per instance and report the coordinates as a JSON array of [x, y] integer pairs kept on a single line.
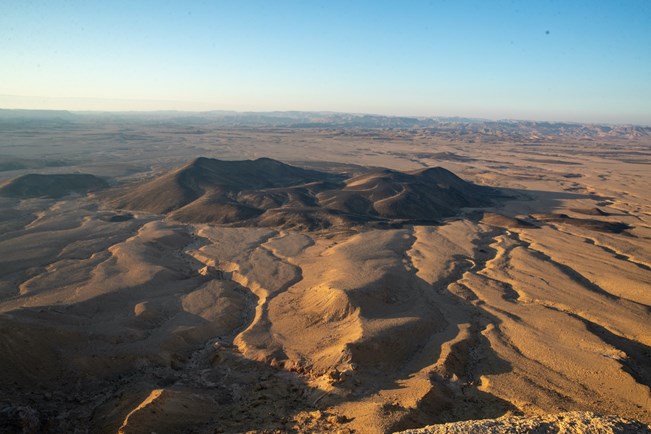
[[575, 422], [265, 192]]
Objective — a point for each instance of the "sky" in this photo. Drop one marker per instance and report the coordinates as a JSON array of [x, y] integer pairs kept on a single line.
[[584, 61]]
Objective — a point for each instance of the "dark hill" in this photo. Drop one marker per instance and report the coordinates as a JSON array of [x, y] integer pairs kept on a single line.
[[422, 195], [266, 192], [54, 186], [219, 191]]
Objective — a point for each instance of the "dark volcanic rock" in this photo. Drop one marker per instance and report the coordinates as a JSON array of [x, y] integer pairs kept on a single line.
[[54, 186], [266, 192]]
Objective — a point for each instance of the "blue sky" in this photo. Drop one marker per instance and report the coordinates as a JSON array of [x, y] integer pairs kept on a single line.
[[564, 60]]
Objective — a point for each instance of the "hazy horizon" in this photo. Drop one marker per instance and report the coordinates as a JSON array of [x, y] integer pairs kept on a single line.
[[389, 115], [577, 62]]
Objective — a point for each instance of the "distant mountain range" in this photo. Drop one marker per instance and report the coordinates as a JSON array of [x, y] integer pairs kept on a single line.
[[449, 126]]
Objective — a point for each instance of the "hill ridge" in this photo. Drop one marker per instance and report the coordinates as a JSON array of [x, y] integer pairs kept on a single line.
[[268, 192], [51, 185]]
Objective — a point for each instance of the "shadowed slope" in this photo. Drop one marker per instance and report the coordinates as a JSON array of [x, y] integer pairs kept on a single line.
[[213, 181], [266, 192], [422, 195], [34, 185]]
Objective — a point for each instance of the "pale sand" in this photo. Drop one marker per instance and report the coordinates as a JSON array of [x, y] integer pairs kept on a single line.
[[575, 422], [149, 325]]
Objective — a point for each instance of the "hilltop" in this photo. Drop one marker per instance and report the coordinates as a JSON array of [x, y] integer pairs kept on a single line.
[[266, 192]]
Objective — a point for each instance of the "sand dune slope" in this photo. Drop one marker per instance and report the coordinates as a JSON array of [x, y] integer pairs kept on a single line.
[[345, 300]]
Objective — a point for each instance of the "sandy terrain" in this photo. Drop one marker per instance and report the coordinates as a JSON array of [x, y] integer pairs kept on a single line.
[[575, 422], [116, 320]]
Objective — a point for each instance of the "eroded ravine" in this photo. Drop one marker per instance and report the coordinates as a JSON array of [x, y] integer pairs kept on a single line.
[[508, 341]]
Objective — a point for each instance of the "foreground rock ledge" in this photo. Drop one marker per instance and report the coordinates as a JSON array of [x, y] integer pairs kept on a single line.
[[571, 422]]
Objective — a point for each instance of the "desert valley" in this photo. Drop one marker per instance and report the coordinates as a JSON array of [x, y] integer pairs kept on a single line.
[[319, 272]]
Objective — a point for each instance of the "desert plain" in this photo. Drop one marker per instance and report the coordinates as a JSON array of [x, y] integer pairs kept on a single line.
[[145, 299]]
